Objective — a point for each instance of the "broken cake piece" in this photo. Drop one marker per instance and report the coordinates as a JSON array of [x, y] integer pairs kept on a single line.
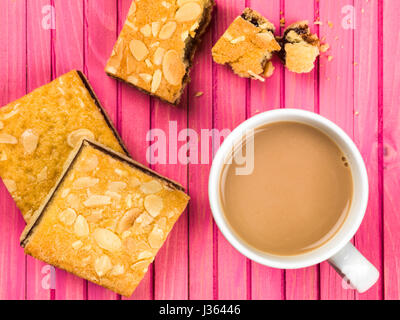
[[156, 47], [300, 48], [106, 218], [38, 132], [247, 46]]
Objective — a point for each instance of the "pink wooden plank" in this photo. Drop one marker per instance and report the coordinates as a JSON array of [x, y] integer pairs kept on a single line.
[[134, 123], [369, 238], [100, 36], [39, 13], [200, 115], [390, 102], [336, 103], [300, 93], [13, 86], [229, 111], [68, 55], [266, 283], [171, 263]]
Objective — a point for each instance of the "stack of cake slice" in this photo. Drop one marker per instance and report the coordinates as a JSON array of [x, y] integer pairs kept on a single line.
[[90, 209]]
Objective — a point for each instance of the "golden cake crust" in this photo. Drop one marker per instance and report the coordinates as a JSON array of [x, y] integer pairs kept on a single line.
[[247, 45], [40, 129], [155, 49], [106, 219]]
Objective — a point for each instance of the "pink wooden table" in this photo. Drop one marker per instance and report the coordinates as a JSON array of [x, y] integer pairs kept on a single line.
[[359, 89]]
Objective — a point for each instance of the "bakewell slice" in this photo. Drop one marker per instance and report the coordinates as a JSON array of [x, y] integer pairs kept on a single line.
[[300, 48], [247, 46], [106, 218], [39, 130], [156, 47]]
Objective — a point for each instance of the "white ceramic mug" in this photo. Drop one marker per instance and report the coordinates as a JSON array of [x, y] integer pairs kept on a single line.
[[341, 254]]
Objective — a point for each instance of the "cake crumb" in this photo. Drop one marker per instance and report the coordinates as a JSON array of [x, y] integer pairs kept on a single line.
[[330, 58], [324, 47], [330, 24], [282, 22], [199, 94], [356, 113]]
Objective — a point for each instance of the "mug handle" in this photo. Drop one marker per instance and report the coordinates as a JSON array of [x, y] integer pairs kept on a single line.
[[355, 269]]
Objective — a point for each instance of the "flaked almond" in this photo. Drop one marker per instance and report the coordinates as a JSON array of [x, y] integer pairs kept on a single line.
[[85, 182], [97, 201], [128, 201], [65, 193], [67, 217], [10, 185], [153, 205], [194, 27], [173, 68], [89, 164], [155, 84], [155, 44], [95, 216], [133, 80], [8, 139], [162, 223], [1, 125], [145, 255], [120, 172], [128, 220], [156, 238], [188, 12], [138, 49], [155, 28], [118, 270], [134, 182], [180, 3], [255, 76], [11, 114], [117, 186], [238, 39], [107, 240], [42, 175], [140, 266], [129, 245], [75, 137], [148, 63], [73, 201], [111, 69], [102, 265], [167, 30], [131, 25], [126, 234], [132, 9], [158, 56], [81, 227], [77, 244], [146, 77], [146, 30], [3, 156], [269, 69], [144, 219], [227, 36], [130, 64], [166, 4], [113, 195], [184, 35], [151, 187]]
